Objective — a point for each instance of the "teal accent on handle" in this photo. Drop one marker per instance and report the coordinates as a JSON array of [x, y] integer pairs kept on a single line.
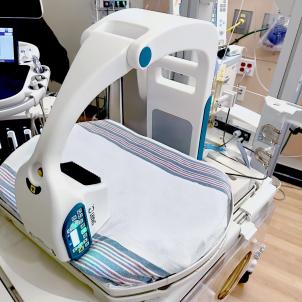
[[204, 127], [145, 57]]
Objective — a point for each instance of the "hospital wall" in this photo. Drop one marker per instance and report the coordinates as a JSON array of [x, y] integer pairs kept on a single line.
[[266, 62], [69, 18]]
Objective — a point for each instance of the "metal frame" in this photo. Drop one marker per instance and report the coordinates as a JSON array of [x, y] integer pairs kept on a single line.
[[287, 80], [197, 9]]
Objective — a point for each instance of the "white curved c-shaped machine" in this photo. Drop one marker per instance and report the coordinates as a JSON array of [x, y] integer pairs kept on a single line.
[[129, 39]]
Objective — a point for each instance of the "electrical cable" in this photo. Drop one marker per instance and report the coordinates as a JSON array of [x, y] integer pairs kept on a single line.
[[257, 74], [43, 113], [255, 93], [279, 188], [242, 78], [227, 142], [234, 159], [248, 34], [291, 132], [240, 22], [232, 32], [247, 148], [250, 91], [33, 127], [225, 125], [278, 184], [283, 195]]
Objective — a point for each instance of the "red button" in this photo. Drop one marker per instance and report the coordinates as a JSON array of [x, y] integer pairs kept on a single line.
[[249, 65], [243, 64], [242, 69]]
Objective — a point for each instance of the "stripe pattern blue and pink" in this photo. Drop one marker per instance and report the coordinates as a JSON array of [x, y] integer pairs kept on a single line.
[[110, 262], [165, 158], [107, 260], [7, 187]]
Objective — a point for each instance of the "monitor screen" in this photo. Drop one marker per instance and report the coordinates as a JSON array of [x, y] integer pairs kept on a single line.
[[75, 238], [7, 45], [21, 9]]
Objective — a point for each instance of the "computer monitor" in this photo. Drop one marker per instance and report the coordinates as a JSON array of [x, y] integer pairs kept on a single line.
[[8, 46], [32, 9]]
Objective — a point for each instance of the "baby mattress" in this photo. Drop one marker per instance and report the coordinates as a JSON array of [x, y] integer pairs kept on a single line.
[[167, 209]]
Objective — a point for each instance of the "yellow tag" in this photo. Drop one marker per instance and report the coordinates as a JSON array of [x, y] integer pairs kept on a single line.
[[33, 189], [40, 172], [221, 73]]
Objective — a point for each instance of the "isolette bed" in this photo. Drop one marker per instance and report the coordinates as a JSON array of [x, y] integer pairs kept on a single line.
[[154, 230], [173, 229]]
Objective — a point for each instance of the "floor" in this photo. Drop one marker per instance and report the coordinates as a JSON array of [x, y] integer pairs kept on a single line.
[[278, 277]]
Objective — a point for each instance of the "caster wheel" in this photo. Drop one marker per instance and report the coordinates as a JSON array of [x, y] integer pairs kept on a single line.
[[245, 278]]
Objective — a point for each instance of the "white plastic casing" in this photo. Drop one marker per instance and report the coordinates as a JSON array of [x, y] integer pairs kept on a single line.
[[33, 90], [110, 49]]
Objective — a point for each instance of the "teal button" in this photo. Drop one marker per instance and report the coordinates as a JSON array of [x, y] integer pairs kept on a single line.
[[145, 57], [84, 230], [74, 225]]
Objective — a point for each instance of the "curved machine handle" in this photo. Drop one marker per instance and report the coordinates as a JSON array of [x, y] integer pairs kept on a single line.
[[125, 40], [122, 41]]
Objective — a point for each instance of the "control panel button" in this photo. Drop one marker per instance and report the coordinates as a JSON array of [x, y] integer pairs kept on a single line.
[[76, 233], [84, 230]]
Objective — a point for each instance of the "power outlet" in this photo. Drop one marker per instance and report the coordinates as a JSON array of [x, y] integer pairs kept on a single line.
[[245, 15], [241, 93], [247, 67]]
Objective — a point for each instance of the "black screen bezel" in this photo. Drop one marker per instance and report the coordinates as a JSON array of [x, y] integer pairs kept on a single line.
[[12, 10]]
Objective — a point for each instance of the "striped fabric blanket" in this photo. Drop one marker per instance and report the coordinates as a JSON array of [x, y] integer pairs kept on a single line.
[[107, 260], [167, 209]]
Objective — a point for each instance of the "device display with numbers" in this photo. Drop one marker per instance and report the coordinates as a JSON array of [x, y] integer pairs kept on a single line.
[[76, 232], [8, 46], [219, 19], [115, 4]]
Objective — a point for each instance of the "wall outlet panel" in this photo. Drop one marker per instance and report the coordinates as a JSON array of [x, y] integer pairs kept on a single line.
[[247, 67], [247, 16]]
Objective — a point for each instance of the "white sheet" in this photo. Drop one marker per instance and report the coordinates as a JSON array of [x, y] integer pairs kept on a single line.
[[170, 221]]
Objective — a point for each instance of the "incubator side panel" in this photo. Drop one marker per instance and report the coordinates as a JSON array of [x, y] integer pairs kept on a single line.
[[171, 130]]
